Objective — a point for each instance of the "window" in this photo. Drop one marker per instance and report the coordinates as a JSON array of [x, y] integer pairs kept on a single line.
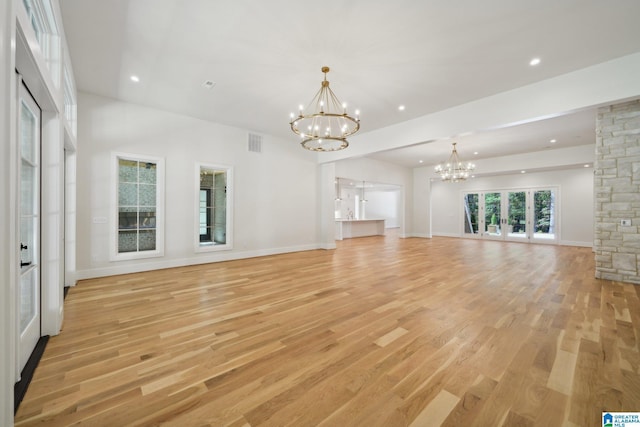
[[213, 207], [139, 231], [70, 103], [43, 21]]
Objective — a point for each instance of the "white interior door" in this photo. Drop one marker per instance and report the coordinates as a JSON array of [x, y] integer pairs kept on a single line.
[[29, 136]]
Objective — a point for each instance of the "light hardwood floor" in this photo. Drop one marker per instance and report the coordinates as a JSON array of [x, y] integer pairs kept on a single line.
[[379, 332]]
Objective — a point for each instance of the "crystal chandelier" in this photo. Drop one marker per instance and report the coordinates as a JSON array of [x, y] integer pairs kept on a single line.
[[324, 124], [454, 170]]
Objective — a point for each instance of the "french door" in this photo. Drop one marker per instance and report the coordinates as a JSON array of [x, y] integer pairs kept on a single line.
[[517, 215], [29, 136]]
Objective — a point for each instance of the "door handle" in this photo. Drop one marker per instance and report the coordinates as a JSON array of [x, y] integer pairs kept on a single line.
[[23, 246], [24, 264]]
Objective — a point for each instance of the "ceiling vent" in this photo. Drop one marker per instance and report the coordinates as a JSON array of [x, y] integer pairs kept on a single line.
[[255, 143], [208, 84]]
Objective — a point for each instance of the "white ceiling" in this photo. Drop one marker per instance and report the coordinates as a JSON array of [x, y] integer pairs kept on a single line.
[[265, 59], [566, 131]]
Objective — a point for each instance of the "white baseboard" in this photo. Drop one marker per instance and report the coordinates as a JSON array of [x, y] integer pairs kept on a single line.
[[570, 243], [420, 235], [327, 246], [115, 270], [445, 234]]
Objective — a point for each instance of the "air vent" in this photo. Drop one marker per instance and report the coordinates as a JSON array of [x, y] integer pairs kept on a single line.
[[208, 84], [255, 143]]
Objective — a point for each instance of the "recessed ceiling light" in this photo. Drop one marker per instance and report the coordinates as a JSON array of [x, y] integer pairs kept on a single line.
[[586, 166], [553, 141], [473, 176], [208, 84], [534, 62], [523, 171], [420, 161], [135, 79], [401, 107], [475, 153]]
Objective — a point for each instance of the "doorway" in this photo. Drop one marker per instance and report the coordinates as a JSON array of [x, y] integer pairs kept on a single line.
[[517, 215], [28, 299]]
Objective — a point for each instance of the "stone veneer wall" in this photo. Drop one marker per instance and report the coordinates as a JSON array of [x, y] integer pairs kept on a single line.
[[617, 192]]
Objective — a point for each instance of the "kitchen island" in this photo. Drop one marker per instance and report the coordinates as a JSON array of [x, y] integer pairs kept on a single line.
[[348, 228]]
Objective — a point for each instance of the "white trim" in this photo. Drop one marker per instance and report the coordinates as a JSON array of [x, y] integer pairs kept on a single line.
[[53, 209], [328, 246], [418, 235], [575, 243], [70, 212], [28, 338], [8, 122], [182, 262], [160, 206], [14, 235], [436, 234]]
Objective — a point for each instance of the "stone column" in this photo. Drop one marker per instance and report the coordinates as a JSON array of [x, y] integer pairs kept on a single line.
[[617, 192]]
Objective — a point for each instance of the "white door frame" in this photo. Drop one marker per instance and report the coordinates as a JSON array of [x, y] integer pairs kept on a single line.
[[28, 249]]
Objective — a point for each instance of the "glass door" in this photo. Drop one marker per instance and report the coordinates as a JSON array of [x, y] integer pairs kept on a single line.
[[29, 232], [517, 215], [516, 221], [492, 218], [471, 214], [544, 216]]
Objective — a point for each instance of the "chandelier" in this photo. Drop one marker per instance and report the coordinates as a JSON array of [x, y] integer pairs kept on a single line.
[[324, 125], [454, 170]]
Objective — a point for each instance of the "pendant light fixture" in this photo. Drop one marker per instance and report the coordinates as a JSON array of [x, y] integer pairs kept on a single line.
[[454, 170], [324, 124]]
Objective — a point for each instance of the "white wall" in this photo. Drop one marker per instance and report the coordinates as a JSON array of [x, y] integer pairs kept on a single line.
[[275, 205], [422, 201], [386, 205], [575, 202], [372, 170]]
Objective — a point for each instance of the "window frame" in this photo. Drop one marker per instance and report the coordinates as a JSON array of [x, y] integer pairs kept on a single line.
[[206, 247], [115, 207]]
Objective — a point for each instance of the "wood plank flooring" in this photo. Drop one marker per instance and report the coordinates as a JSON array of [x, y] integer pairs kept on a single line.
[[379, 332]]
